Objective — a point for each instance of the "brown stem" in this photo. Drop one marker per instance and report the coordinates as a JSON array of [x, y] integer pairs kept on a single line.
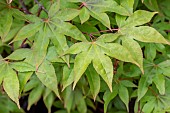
[[25, 10], [41, 7], [153, 92]]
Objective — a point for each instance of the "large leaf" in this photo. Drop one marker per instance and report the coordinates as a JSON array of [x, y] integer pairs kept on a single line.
[[135, 50], [103, 65], [11, 84], [94, 80], [139, 17], [124, 95], [22, 66], [27, 31], [81, 63], [5, 23], [68, 29], [144, 34], [46, 74], [115, 50], [40, 48]]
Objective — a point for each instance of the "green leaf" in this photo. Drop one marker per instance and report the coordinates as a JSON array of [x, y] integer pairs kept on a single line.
[[145, 34], [159, 81], [46, 74], [127, 83], [149, 106], [68, 76], [27, 31], [124, 95], [81, 63], [22, 66], [11, 84], [23, 79], [40, 48], [120, 20], [109, 37], [108, 96], [19, 54], [84, 15], [115, 50], [2, 71], [54, 8], [60, 43], [49, 101], [102, 17], [66, 14], [5, 23], [143, 86], [128, 5], [94, 80], [35, 95], [135, 50], [68, 98], [78, 47], [150, 52], [68, 29], [139, 17], [103, 65]]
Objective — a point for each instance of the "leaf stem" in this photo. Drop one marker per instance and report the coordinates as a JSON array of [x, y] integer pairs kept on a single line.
[[41, 7], [25, 10], [153, 92]]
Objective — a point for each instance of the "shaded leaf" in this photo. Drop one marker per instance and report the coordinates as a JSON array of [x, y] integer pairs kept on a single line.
[[84, 15], [94, 80], [159, 81], [124, 95]]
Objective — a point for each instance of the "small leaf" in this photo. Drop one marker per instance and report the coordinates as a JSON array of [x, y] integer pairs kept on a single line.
[[81, 63], [35, 95], [159, 81], [139, 17], [46, 74], [84, 15], [68, 98], [108, 96], [143, 86], [110, 37], [103, 65], [149, 106], [11, 84], [22, 66], [128, 5], [120, 20], [124, 95], [48, 101], [128, 83], [145, 34], [68, 76], [94, 80], [27, 31], [150, 52], [23, 79], [102, 17]]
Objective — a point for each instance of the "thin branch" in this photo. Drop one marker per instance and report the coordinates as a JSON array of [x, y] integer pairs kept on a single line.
[[25, 10], [41, 7], [110, 30]]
